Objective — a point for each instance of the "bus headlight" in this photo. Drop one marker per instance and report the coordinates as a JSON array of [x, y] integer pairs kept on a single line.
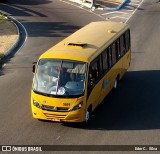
[[76, 107], [35, 103]]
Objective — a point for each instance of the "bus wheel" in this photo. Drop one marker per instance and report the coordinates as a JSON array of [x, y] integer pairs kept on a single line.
[[88, 114], [115, 83], [87, 117]]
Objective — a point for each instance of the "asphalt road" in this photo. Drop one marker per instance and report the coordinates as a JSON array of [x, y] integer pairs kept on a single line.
[[129, 115]]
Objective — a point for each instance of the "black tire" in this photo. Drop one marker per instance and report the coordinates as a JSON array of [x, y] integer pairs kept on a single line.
[[116, 82], [87, 116]]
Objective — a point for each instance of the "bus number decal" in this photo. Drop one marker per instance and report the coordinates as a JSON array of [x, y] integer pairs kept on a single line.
[[66, 104]]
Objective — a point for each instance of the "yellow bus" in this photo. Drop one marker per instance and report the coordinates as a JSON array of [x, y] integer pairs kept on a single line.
[[73, 77]]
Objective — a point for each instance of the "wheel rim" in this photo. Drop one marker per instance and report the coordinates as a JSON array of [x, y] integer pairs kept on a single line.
[[87, 116], [115, 83]]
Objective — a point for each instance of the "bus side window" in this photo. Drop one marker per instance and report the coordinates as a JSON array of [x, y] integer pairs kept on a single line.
[[122, 45], [93, 73], [109, 54], [127, 40], [99, 66], [118, 53], [114, 57], [105, 61]]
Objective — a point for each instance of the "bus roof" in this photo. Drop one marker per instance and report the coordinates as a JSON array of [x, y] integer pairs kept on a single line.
[[85, 44]]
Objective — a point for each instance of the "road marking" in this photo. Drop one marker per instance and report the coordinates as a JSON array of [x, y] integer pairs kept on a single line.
[[115, 12], [127, 10], [82, 8], [133, 3], [4, 65], [58, 138], [118, 17], [123, 15], [108, 13], [135, 10]]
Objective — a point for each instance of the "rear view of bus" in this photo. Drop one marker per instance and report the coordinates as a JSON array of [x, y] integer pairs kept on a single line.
[[75, 75]]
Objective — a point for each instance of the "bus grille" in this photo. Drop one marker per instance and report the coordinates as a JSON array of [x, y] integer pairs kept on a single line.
[[52, 116], [54, 108]]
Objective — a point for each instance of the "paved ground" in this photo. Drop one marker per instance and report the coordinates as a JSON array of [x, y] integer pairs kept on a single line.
[[98, 3], [129, 115], [8, 35], [108, 3], [121, 15]]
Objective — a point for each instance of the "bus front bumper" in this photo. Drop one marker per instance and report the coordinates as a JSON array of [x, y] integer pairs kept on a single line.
[[71, 116]]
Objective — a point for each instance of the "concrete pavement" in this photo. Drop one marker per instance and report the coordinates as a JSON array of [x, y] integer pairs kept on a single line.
[[128, 116], [101, 4], [12, 41]]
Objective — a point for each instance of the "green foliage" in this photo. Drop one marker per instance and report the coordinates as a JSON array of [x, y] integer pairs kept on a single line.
[[1, 54], [2, 17]]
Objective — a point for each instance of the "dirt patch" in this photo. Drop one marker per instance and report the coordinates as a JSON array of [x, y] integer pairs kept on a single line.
[[8, 35]]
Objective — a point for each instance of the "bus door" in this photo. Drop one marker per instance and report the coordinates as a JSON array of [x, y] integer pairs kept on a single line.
[[94, 82]]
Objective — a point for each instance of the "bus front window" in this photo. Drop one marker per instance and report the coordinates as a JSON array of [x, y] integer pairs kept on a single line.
[[60, 77]]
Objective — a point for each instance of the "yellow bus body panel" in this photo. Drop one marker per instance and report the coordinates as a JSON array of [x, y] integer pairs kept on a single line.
[[70, 116], [97, 36]]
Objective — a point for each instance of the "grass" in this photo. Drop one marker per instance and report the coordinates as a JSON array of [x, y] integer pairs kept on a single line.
[[2, 17], [1, 54]]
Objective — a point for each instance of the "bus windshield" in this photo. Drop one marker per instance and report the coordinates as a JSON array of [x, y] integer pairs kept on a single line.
[[60, 77]]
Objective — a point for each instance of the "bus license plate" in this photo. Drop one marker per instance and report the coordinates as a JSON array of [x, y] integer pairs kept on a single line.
[[55, 119]]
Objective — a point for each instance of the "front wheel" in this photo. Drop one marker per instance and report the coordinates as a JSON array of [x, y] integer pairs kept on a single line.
[[87, 116]]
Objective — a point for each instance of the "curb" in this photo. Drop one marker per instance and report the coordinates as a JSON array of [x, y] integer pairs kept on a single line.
[[16, 43], [20, 40]]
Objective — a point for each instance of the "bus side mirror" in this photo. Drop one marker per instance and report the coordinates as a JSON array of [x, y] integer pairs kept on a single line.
[[34, 67]]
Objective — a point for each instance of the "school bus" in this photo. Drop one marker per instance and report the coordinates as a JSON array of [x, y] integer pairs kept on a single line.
[[73, 77]]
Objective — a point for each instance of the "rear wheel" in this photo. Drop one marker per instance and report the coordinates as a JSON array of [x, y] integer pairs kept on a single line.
[[115, 83]]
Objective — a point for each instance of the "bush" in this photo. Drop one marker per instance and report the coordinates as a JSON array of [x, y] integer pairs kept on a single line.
[[1, 54]]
